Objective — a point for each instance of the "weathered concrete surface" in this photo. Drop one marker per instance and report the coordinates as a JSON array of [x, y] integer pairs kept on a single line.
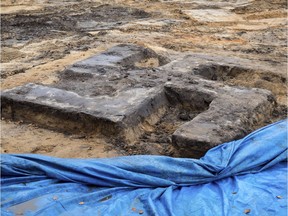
[[67, 111], [109, 72], [232, 71], [205, 65], [232, 113], [123, 55]]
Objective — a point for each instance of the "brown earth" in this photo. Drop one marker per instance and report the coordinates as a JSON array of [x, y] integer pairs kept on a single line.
[[41, 38]]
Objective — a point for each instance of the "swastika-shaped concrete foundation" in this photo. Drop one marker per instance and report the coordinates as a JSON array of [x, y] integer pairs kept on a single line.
[[113, 94]]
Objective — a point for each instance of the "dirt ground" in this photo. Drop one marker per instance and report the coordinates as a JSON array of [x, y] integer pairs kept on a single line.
[[40, 38]]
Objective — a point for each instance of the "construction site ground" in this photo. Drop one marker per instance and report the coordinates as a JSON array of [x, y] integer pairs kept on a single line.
[[42, 38]]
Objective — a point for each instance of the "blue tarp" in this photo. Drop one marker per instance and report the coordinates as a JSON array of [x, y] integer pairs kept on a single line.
[[248, 176]]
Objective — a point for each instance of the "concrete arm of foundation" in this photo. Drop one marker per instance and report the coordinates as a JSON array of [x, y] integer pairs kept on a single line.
[[232, 113]]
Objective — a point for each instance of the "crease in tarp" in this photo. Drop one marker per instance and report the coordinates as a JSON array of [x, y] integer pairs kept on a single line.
[[230, 178]]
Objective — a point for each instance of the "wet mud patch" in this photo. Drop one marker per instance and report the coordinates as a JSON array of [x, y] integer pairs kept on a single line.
[[27, 27], [24, 27], [109, 13]]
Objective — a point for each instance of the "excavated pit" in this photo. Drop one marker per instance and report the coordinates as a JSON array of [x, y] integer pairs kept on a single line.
[[144, 109], [157, 138], [224, 73], [248, 77]]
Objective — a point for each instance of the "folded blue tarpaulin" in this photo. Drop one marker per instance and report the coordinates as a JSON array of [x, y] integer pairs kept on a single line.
[[248, 176]]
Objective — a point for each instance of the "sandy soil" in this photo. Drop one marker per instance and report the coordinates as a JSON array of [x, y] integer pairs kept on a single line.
[[23, 138], [40, 38]]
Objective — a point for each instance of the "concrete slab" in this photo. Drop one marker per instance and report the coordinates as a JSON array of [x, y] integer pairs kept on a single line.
[[123, 55], [69, 111], [110, 72], [232, 113], [207, 66]]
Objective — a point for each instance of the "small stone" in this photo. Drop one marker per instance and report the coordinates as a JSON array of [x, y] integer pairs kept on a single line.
[[247, 211], [81, 203], [234, 192], [78, 136], [134, 209], [193, 82], [141, 212], [184, 116], [279, 197]]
